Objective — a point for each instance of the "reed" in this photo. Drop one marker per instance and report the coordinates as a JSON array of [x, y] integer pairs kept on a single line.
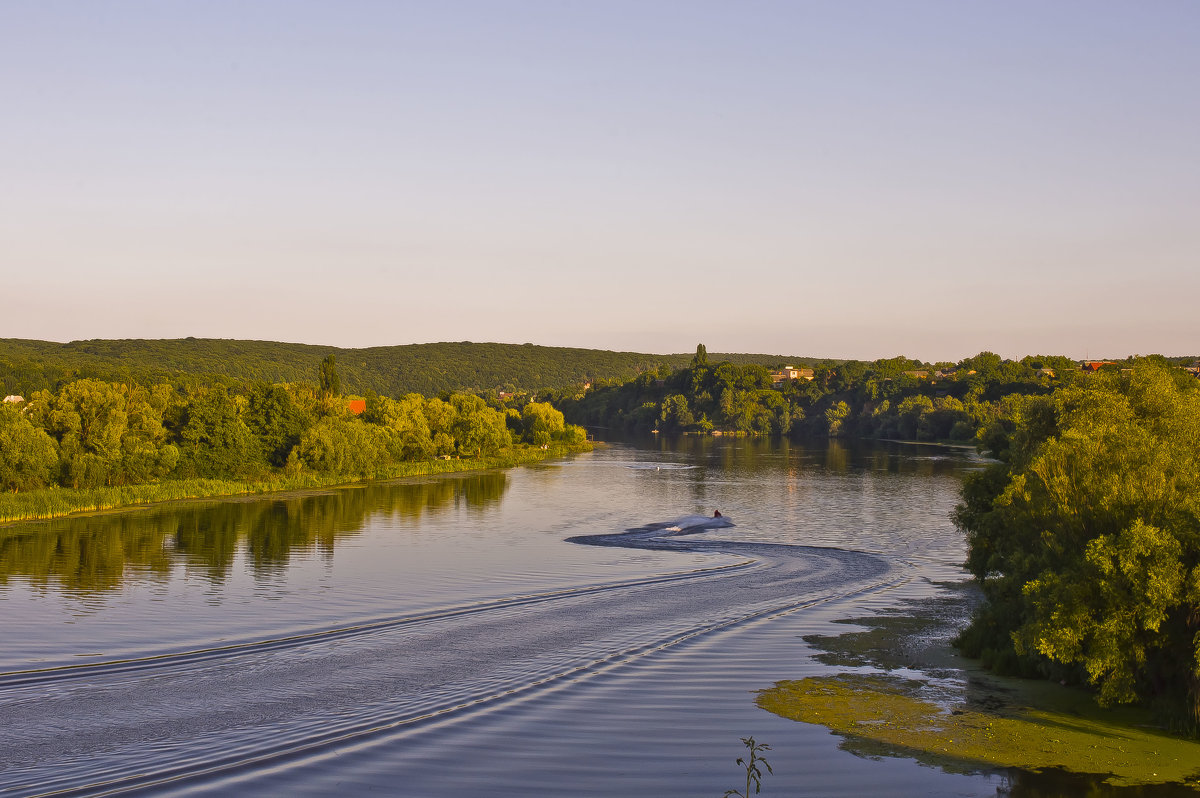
[[753, 771]]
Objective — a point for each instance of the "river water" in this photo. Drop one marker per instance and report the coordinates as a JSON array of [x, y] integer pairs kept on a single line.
[[557, 629]]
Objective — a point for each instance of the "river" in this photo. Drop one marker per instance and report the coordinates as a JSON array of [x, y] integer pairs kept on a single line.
[[555, 629]]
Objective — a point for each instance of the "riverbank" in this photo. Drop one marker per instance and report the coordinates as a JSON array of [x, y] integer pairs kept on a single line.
[[50, 503], [909, 694]]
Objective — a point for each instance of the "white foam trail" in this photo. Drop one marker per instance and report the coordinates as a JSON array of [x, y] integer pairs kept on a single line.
[[695, 523]]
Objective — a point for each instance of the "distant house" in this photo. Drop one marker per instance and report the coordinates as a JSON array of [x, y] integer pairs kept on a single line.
[[917, 375], [1046, 373], [790, 373], [356, 406], [14, 399], [1092, 366]]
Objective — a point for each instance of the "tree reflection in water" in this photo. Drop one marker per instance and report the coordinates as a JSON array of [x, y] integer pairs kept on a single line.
[[748, 455], [98, 552], [1056, 783]]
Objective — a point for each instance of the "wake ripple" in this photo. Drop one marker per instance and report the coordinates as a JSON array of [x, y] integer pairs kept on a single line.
[[156, 724]]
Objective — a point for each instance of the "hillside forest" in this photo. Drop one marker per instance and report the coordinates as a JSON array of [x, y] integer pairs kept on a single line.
[[27, 366]]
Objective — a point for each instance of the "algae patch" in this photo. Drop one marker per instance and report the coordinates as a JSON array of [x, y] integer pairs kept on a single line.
[[913, 696], [882, 715]]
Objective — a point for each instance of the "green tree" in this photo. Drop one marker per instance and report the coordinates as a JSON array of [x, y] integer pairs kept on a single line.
[[835, 417], [477, 429], [573, 435], [340, 445], [935, 424], [985, 365], [107, 434], [214, 440], [440, 417], [1086, 539], [849, 375], [28, 456], [146, 452], [275, 419], [331, 383], [541, 423], [675, 415], [407, 434], [87, 417], [909, 413], [701, 356]]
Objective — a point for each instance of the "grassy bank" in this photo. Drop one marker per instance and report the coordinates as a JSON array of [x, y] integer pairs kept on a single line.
[[58, 502], [946, 711]]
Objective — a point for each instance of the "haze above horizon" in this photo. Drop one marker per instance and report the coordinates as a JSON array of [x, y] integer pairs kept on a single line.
[[850, 180]]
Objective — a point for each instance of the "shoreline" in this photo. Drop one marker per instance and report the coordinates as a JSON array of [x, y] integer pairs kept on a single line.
[[944, 444], [900, 689], [717, 433], [53, 503]]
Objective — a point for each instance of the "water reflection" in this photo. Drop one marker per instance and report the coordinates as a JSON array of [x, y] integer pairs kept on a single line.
[[97, 553], [758, 454], [1056, 783], [463, 543], [1018, 783]]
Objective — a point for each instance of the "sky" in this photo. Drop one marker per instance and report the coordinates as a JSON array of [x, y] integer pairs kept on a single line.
[[831, 179]]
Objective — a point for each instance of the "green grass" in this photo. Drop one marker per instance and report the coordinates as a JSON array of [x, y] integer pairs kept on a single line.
[[58, 502]]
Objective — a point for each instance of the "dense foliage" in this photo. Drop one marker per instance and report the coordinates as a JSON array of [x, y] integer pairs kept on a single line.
[[91, 433], [887, 398], [1085, 537], [27, 366], [700, 398]]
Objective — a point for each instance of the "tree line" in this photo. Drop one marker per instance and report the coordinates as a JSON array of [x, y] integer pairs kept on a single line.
[[887, 398], [92, 433]]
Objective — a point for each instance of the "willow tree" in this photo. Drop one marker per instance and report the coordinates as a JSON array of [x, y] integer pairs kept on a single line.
[[28, 456], [541, 423], [107, 433]]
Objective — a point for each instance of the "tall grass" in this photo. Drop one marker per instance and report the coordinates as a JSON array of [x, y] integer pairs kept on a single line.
[[56, 502]]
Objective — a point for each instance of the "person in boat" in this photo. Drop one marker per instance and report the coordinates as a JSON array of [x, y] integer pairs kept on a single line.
[[716, 513]]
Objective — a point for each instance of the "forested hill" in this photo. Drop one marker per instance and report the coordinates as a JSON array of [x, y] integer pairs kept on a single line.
[[27, 366]]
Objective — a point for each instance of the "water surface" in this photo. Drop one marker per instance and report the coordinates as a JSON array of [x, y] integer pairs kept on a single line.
[[499, 633]]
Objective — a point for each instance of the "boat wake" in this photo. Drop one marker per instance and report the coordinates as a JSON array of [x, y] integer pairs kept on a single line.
[[199, 719]]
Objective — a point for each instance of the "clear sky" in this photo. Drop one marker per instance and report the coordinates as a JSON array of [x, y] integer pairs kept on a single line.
[[840, 178]]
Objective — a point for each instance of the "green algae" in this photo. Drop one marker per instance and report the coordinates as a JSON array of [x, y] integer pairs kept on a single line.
[[884, 716], [913, 696]]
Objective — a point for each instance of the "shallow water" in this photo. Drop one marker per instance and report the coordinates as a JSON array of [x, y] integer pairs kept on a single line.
[[549, 629]]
